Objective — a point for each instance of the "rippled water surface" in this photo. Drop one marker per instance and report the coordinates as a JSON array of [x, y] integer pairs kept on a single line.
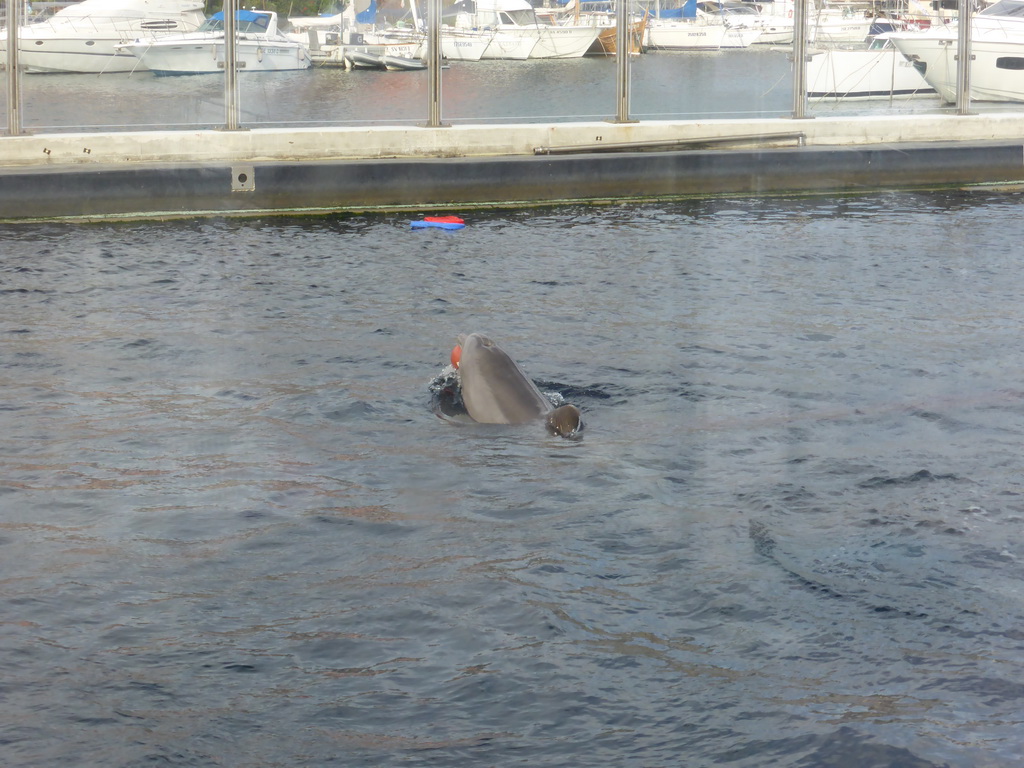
[[234, 533]]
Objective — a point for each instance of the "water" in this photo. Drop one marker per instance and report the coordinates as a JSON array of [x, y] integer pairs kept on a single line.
[[749, 83], [235, 534]]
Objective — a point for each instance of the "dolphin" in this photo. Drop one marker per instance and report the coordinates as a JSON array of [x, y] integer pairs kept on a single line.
[[496, 391]]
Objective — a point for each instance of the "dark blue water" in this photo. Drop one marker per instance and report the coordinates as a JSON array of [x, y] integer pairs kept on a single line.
[[234, 533]]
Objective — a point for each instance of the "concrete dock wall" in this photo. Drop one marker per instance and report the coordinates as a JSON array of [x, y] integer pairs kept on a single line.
[[182, 173]]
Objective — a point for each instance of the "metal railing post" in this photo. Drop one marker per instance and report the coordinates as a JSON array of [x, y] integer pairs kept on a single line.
[[623, 50], [963, 58], [800, 59], [433, 63], [14, 125], [232, 107]]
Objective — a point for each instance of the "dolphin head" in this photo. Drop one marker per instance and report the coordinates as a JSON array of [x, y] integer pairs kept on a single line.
[[564, 421], [494, 388], [496, 391]]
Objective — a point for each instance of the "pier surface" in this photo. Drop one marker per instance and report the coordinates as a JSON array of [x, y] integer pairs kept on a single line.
[[247, 172]]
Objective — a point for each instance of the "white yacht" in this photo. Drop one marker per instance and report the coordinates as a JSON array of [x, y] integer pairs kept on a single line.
[[259, 47], [879, 71], [997, 51], [84, 38]]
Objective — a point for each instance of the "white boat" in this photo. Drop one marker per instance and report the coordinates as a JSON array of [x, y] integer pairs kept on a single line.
[[508, 45], [685, 35], [464, 44], [456, 44], [84, 38], [518, 33], [705, 25], [997, 50], [879, 71], [259, 47], [832, 25], [826, 24]]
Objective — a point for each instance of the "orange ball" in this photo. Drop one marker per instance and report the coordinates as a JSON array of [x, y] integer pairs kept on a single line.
[[456, 355]]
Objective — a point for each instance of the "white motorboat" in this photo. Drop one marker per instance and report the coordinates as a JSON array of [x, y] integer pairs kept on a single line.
[[259, 47], [84, 38], [877, 72], [997, 50]]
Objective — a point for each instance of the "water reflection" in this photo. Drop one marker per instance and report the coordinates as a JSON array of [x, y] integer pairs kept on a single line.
[[750, 83]]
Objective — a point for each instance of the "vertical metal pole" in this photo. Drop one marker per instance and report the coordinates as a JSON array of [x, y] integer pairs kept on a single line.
[[14, 126], [433, 63], [232, 108], [623, 49], [800, 59], [963, 58]]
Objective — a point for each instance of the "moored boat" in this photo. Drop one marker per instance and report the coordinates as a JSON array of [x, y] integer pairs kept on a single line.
[[85, 37], [876, 72], [704, 25], [997, 54], [518, 32], [259, 47]]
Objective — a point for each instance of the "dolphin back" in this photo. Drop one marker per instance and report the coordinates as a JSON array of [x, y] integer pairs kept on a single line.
[[494, 388]]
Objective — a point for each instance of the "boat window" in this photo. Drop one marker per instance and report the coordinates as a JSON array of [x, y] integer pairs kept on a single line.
[[1009, 62], [522, 18], [246, 21], [258, 26], [159, 25], [211, 25], [1005, 8]]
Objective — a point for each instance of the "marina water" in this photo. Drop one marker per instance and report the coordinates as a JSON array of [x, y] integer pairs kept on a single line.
[[748, 83], [234, 533]]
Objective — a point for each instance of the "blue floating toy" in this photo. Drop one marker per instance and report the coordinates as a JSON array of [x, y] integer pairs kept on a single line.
[[439, 222], [437, 225]]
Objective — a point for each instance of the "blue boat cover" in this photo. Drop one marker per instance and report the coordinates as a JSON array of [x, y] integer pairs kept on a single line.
[[369, 16], [260, 19], [687, 11]]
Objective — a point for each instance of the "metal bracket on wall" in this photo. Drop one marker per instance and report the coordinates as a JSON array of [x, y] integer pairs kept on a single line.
[[243, 178]]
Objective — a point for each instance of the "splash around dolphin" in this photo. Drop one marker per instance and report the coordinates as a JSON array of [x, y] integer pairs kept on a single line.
[[495, 390]]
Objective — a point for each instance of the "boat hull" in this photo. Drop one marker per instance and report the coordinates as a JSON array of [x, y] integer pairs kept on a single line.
[[184, 56], [509, 45], [868, 74], [86, 38], [563, 42], [997, 63], [683, 36], [460, 46], [94, 56]]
